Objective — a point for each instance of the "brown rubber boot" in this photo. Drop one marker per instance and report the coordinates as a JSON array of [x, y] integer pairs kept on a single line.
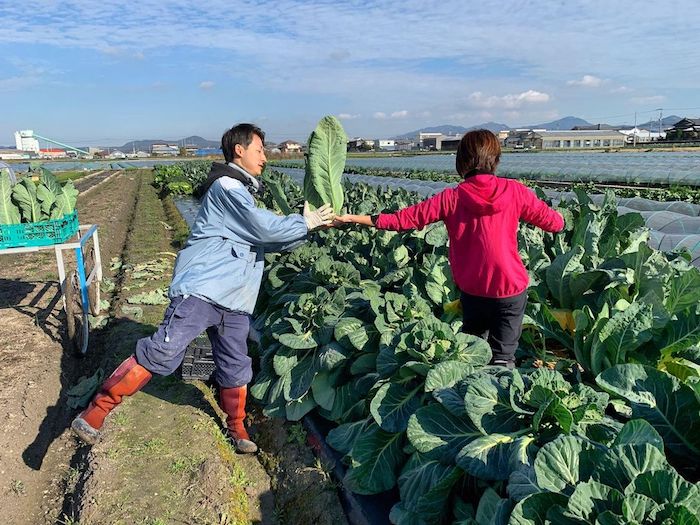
[[126, 380], [232, 402]]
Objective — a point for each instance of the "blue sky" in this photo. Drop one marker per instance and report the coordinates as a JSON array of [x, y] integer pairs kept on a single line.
[[102, 73]]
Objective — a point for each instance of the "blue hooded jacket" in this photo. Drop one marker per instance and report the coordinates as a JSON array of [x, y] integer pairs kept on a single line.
[[224, 257]]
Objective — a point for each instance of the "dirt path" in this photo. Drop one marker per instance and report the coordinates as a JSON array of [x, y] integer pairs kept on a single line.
[[35, 371]]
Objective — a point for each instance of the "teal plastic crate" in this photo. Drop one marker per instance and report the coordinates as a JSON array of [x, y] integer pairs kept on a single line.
[[43, 233]]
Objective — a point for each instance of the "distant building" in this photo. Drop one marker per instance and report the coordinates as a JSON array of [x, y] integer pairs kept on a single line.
[[14, 154], [385, 144], [405, 145], [165, 150], [24, 140], [428, 140], [685, 129], [573, 139], [289, 146], [636, 135], [116, 154], [438, 141], [360, 144], [53, 153], [205, 152]]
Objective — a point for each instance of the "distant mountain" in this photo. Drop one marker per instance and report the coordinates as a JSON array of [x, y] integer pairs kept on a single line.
[[561, 124], [448, 129], [145, 145], [666, 122]]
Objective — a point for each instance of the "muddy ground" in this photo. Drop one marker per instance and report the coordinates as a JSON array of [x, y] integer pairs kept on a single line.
[[162, 459]]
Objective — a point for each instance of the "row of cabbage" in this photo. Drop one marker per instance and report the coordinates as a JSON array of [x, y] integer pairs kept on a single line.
[[678, 192], [600, 425]]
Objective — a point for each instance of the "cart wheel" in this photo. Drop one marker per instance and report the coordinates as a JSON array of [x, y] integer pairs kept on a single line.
[[94, 288], [76, 320]]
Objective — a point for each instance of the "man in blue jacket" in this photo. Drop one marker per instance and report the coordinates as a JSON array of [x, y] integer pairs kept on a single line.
[[215, 286]]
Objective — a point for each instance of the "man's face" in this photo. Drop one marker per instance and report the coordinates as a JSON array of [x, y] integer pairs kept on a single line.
[[252, 159]]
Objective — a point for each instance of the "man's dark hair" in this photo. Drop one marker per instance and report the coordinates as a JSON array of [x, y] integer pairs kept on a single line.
[[479, 151], [239, 134]]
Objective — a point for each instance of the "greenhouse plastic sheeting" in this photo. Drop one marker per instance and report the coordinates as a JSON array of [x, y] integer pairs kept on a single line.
[[636, 203], [622, 167], [675, 242]]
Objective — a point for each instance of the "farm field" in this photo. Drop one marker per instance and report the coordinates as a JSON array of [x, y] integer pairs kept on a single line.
[[360, 343], [356, 331]]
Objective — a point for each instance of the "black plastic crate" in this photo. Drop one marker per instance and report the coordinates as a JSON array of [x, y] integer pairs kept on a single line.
[[198, 362]]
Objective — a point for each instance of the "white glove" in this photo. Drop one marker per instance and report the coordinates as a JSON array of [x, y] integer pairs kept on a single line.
[[321, 217]]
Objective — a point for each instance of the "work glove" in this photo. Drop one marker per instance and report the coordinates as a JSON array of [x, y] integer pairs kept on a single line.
[[321, 217]]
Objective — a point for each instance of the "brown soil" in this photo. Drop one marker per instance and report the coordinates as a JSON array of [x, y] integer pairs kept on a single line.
[[35, 371]]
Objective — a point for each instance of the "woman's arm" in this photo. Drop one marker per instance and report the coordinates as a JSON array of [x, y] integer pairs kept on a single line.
[[415, 217], [363, 220]]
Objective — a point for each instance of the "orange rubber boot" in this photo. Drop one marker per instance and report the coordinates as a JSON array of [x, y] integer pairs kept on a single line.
[[232, 402], [126, 380]]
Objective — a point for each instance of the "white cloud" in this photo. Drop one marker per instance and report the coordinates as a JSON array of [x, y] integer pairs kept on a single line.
[[586, 81], [206, 84], [653, 99], [621, 89], [347, 116], [381, 115], [479, 100]]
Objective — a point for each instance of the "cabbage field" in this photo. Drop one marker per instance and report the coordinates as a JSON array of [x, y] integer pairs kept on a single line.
[[599, 425]]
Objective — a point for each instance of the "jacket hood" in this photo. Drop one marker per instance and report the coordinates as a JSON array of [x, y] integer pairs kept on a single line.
[[484, 194]]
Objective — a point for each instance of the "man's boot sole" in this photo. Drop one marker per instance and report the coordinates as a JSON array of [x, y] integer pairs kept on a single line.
[[84, 431]]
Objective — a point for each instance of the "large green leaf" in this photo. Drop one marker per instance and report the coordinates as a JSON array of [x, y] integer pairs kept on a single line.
[[351, 333], [561, 464], [376, 459], [66, 195], [298, 408], [24, 194], [639, 432], [680, 333], [46, 198], [425, 485], [665, 486], [636, 507], [684, 291], [278, 196], [487, 457], [393, 404], [591, 498], [342, 438], [625, 332], [434, 431], [559, 273], [661, 399], [446, 374], [533, 509], [624, 463], [323, 391], [9, 214], [325, 163], [487, 402]]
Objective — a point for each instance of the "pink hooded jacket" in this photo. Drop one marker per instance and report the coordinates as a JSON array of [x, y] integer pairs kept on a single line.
[[481, 215]]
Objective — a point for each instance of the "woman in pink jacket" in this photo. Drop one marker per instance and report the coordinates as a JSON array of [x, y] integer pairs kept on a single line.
[[481, 215]]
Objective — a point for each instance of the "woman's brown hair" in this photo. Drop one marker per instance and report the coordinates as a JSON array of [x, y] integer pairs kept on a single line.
[[479, 151]]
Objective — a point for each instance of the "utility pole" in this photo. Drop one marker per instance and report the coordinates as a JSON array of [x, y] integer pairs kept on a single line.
[[660, 110], [634, 132]]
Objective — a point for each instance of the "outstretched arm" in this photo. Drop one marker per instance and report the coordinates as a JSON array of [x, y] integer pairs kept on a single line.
[[415, 217]]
